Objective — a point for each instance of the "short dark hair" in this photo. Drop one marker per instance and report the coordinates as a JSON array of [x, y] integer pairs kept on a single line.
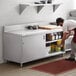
[[58, 20]]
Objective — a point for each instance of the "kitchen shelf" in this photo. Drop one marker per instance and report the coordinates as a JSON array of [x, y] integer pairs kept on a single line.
[[56, 53], [52, 41], [22, 7], [38, 6]]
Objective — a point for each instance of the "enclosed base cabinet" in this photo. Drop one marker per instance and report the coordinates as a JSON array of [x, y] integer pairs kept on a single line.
[[23, 46]]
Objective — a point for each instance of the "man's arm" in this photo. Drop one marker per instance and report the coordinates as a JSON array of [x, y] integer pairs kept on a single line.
[[65, 36]]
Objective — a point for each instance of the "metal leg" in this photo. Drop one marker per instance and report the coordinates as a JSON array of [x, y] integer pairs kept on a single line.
[[21, 65], [62, 55], [5, 60]]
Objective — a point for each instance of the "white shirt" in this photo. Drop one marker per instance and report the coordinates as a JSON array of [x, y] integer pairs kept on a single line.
[[69, 25]]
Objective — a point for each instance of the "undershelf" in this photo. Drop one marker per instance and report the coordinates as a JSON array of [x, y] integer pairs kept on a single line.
[[56, 53]]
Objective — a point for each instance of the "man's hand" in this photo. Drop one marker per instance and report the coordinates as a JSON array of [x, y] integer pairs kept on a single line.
[[64, 38]]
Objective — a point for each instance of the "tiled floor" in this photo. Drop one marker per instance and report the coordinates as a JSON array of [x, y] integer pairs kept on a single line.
[[13, 69]]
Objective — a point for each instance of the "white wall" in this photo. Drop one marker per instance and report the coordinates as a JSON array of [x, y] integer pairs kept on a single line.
[[74, 5], [63, 10], [9, 14]]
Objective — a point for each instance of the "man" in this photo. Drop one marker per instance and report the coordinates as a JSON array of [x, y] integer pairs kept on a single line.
[[68, 27]]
